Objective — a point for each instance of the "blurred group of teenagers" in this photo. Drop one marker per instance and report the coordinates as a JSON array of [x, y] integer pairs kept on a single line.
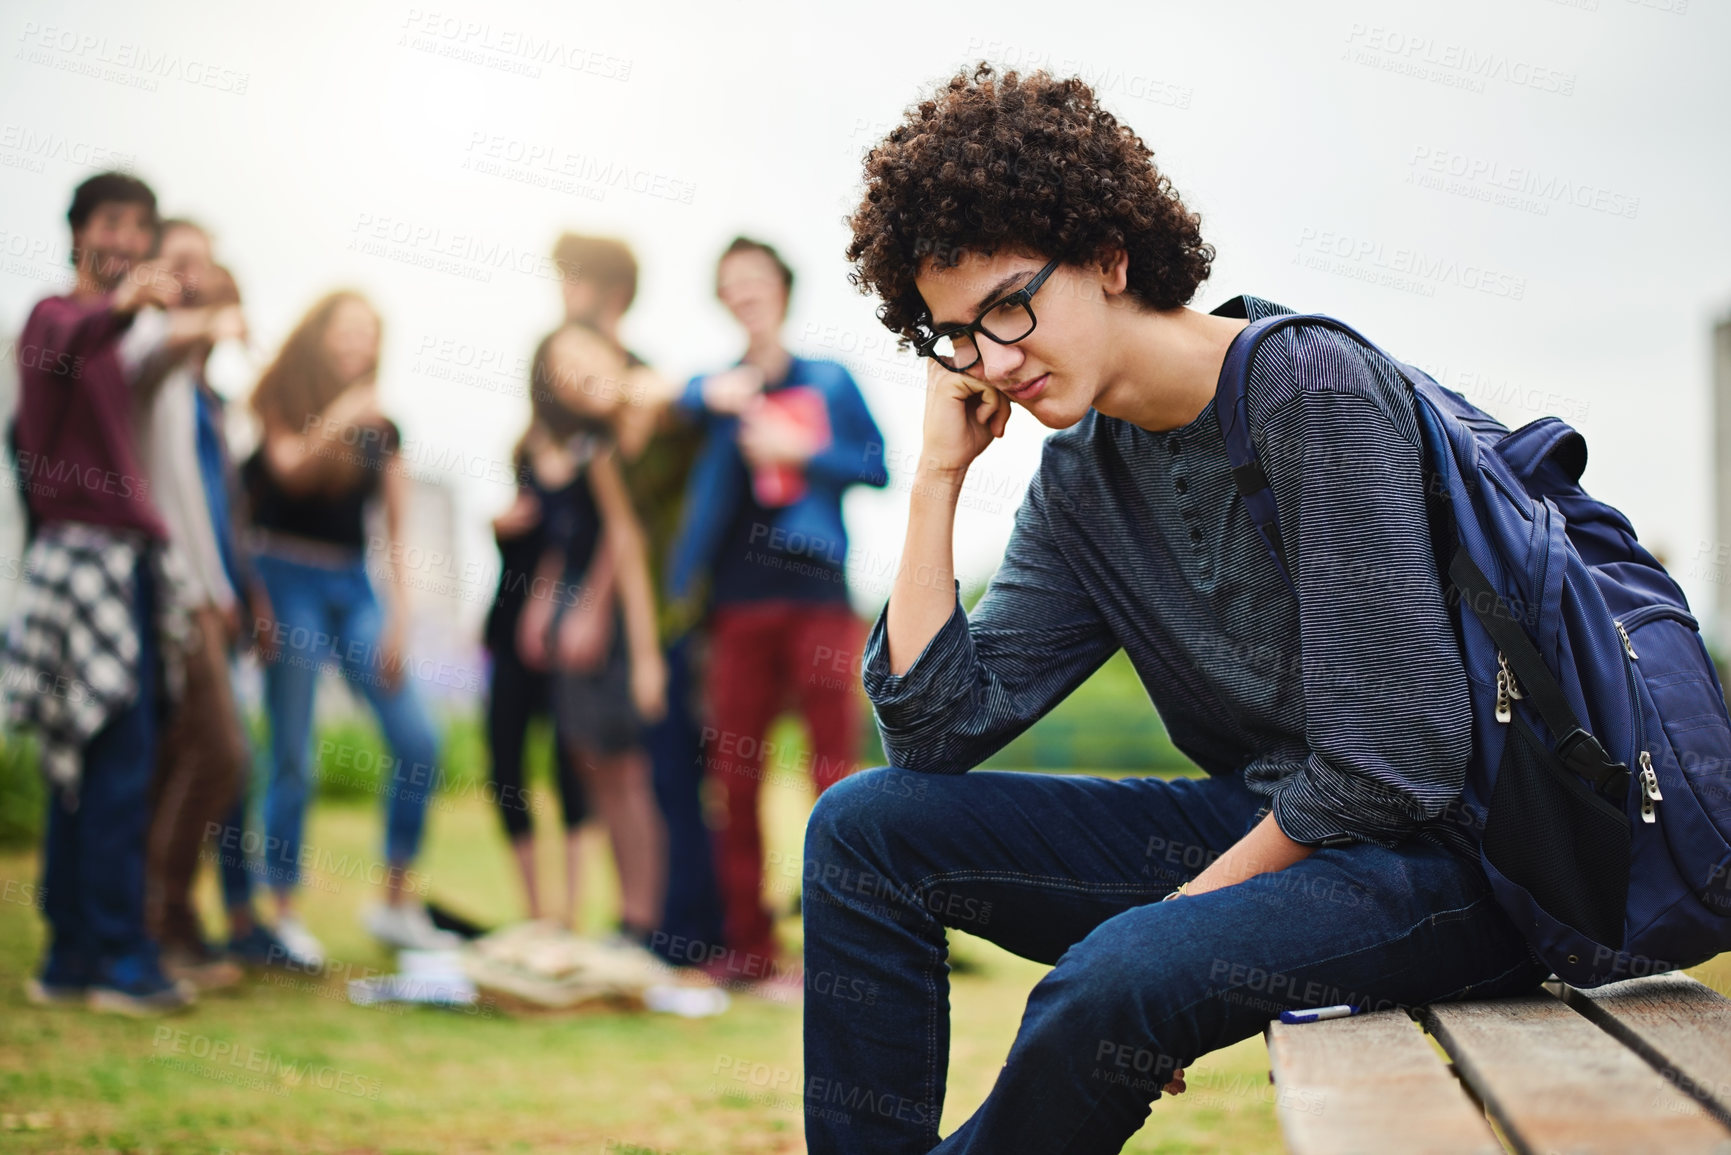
[[671, 579]]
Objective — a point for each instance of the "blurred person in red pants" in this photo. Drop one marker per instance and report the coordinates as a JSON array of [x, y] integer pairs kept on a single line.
[[786, 437]]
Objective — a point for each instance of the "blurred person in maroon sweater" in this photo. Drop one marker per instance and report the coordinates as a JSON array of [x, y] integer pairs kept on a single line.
[[97, 635]]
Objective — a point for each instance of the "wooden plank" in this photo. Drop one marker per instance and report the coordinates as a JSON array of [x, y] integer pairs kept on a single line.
[[1370, 1085], [1559, 1085], [1678, 1024]]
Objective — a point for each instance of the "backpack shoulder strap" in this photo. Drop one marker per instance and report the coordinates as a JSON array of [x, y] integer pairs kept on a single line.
[[1231, 411], [1578, 748]]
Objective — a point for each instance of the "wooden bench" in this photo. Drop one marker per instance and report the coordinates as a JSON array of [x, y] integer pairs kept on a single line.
[[1642, 1065]]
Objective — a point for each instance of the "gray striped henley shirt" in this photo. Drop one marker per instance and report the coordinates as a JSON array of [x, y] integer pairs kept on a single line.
[[1348, 707]]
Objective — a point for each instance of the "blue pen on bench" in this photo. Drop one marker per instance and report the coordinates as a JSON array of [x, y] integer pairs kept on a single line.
[[1318, 1014]]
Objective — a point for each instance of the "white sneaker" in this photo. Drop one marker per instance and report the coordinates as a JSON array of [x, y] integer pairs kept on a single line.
[[408, 927], [304, 950]]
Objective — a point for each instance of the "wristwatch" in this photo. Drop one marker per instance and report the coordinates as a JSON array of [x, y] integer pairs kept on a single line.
[[1176, 893]]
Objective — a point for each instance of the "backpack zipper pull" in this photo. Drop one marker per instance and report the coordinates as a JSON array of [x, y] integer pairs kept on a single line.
[[1507, 690], [1649, 789], [1624, 634]]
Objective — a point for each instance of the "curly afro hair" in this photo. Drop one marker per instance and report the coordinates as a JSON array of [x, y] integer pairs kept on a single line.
[[1020, 162]]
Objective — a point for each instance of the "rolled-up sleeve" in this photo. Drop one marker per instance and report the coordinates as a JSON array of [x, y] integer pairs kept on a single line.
[[1388, 718], [985, 677]]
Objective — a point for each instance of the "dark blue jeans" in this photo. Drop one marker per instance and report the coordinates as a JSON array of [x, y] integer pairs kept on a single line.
[[691, 916], [1069, 871], [93, 854]]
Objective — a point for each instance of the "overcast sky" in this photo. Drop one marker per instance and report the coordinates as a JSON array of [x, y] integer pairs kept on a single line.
[[1527, 197]]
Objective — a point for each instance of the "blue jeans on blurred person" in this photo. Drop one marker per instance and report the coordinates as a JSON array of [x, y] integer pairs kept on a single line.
[[93, 854], [327, 614], [235, 866], [691, 919], [1069, 871]]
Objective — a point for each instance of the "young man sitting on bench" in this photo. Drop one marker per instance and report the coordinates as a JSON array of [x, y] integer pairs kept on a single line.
[[1023, 239]]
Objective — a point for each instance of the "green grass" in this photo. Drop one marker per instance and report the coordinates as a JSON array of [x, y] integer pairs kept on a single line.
[[315, 1073], [376, 1080], [22, 791]]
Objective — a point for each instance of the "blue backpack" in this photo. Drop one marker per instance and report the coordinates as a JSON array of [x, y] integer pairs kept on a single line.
[[1599, 789]]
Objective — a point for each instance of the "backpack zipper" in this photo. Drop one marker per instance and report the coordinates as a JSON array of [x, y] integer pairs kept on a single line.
[[1641, 615], [1649, 789], [1507, 690], [1647, 777]]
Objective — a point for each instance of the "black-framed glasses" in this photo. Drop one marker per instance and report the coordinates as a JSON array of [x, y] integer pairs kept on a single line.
[[1005, 321]]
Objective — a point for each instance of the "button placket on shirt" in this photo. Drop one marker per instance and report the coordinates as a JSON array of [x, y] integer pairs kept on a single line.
[[1181, 484]]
